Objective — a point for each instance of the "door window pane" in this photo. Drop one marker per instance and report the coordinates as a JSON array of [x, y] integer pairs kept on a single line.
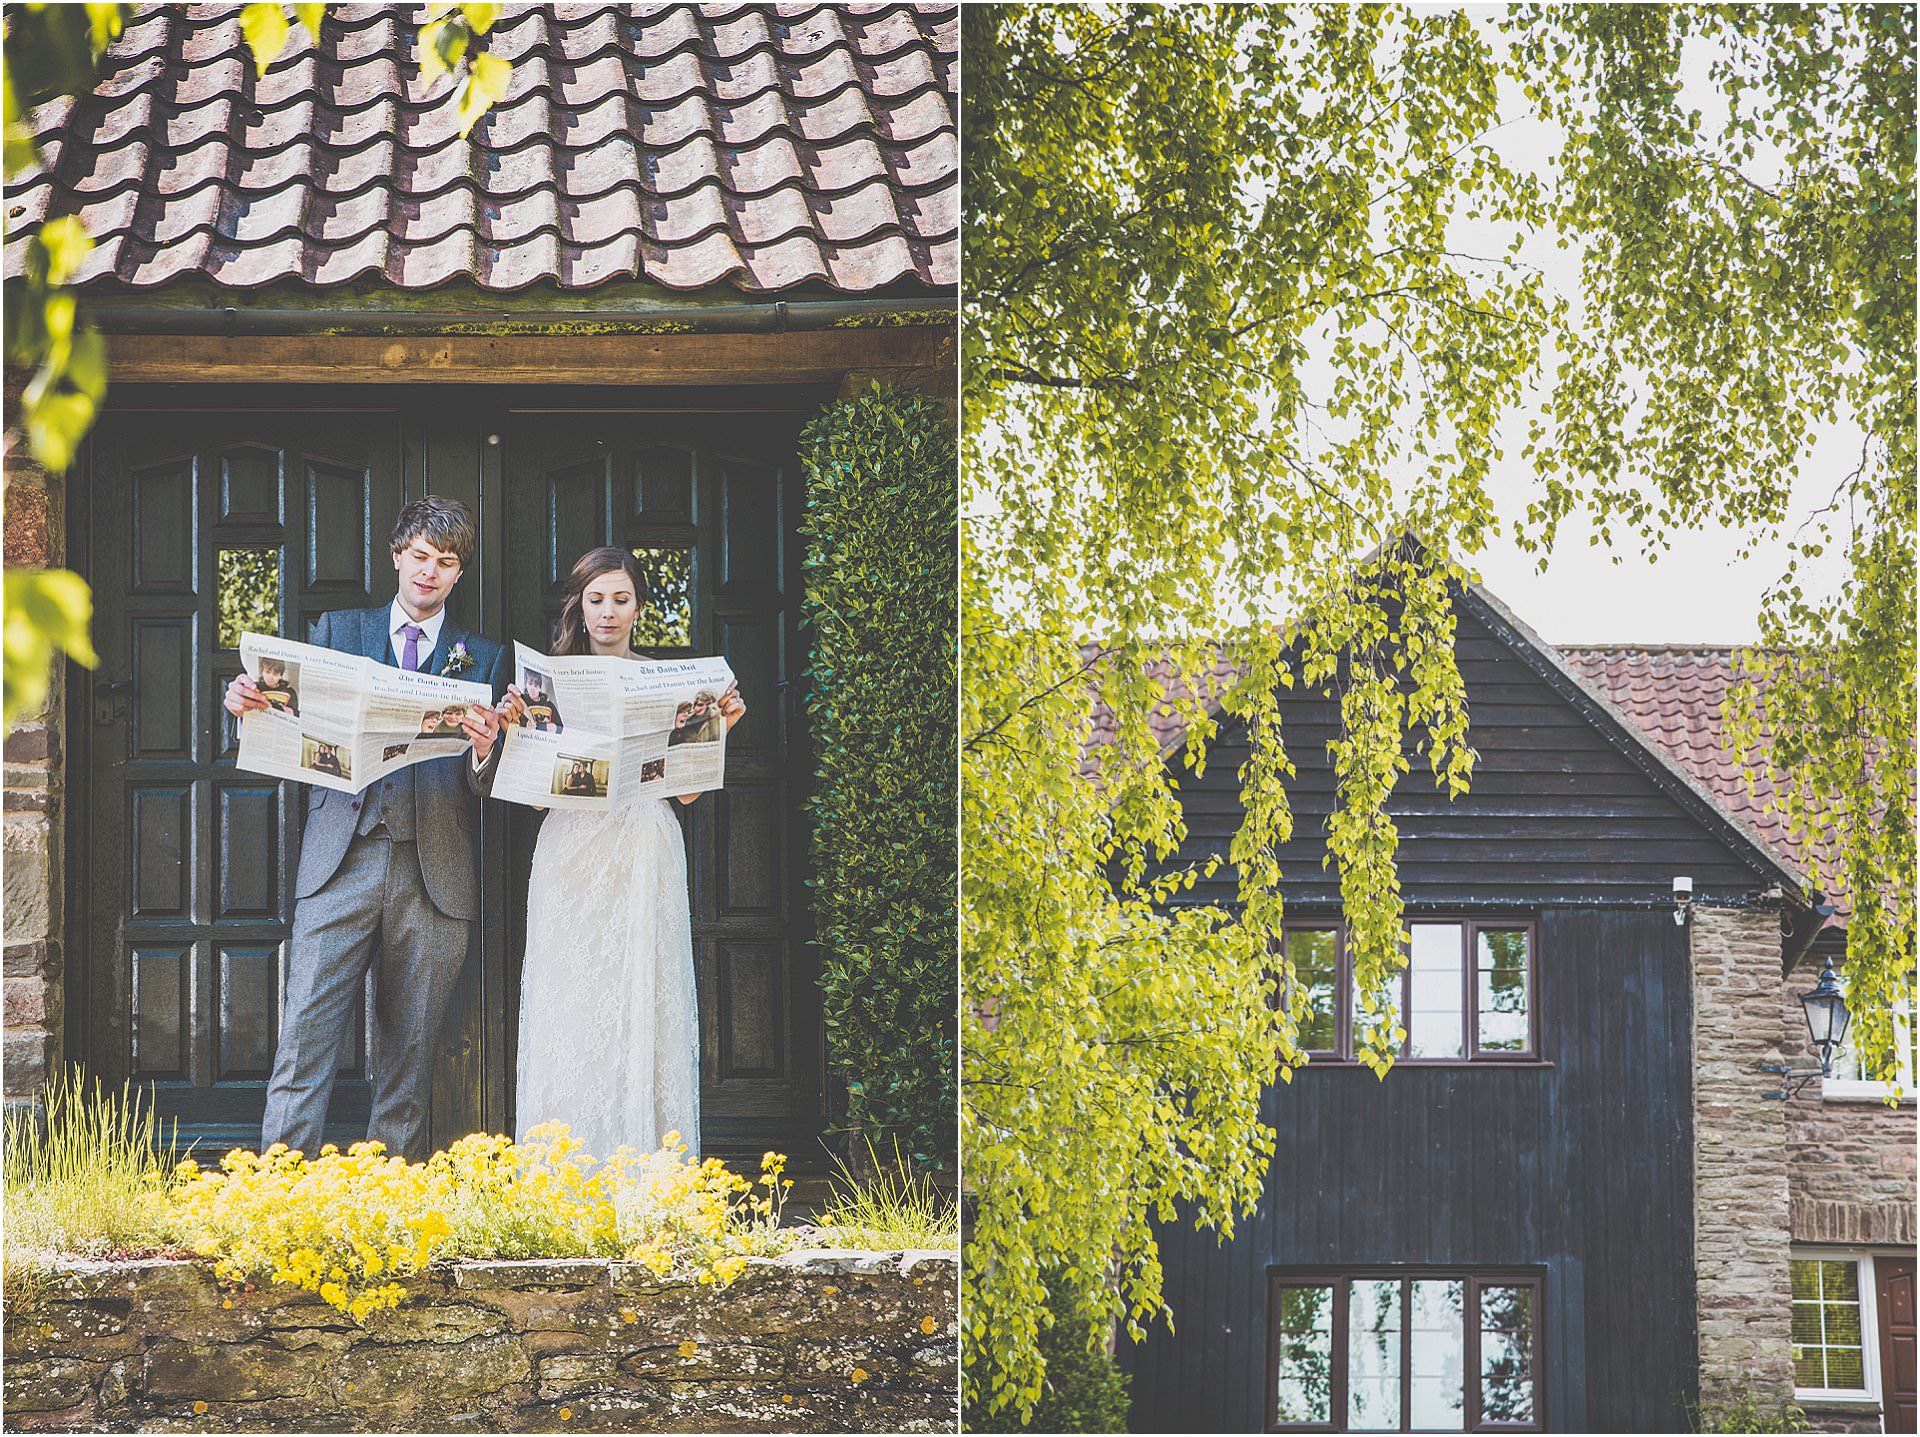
[[1828, 1345], [1315, 955], [1501, 960], [1506, 1353], [1438, 1343], [665, 620], [1437, 1026], [1373, 1357], [1306, 1354], [246, 594]]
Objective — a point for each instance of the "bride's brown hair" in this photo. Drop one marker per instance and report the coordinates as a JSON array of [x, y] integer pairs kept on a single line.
[[570, 634]]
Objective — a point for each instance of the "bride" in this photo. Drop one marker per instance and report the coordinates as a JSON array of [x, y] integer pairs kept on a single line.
[[609, 1031]]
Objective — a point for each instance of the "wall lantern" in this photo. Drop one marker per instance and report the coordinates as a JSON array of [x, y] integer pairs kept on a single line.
[[1827, 1018]]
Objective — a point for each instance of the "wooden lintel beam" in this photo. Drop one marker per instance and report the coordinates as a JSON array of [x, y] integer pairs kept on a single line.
[[803, 356]]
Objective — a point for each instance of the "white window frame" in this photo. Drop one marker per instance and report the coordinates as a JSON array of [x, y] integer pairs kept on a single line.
[[1869, 1289], [1874, 1090]]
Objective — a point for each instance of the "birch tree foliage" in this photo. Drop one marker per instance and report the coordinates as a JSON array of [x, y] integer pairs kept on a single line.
[[1217, 348], [1748, 275], [1173, 217]]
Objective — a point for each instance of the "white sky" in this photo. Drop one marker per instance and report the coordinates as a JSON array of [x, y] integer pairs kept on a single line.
[[1699, 591]]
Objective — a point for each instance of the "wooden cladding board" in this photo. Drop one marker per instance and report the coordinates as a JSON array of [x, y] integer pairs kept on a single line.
[[1557, 812], [1582, 1167], [546, 359]]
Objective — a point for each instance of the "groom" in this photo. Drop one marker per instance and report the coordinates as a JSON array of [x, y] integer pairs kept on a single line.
[[388, 875]]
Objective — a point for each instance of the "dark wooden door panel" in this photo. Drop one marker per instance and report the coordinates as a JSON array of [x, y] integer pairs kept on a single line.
[[204, 524], [710, 502], [1894, 1278]]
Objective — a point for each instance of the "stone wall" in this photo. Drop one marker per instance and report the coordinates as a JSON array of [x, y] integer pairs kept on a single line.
[[1851, 1167], [34, 996], [1741, 1193], [820, 1341]]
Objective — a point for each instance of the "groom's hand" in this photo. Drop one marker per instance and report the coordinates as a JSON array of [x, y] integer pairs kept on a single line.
[[243, 697], [482, 727]]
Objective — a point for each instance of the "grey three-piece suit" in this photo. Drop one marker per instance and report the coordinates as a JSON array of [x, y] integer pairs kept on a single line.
[[388, 877]]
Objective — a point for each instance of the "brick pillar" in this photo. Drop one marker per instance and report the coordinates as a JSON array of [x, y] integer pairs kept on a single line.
[[1741, 1212], [34, 993]]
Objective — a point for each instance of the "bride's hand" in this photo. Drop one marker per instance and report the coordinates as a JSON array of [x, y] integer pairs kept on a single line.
[[733, 708]]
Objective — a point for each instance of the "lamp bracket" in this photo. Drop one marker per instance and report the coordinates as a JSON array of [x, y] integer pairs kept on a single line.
[[1796, 1079]]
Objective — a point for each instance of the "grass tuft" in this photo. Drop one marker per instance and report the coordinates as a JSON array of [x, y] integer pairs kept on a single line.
[[895, 1208], [87, 1177]]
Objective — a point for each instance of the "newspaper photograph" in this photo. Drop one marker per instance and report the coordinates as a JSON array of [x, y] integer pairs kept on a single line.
[[343, 720], [603, 733]]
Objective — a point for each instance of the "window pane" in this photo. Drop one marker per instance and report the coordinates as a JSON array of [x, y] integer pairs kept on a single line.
[[1373, 1357], [1315, 954], [1438, 1358], [1506, 1353], [1362, 1020], [1306, 1354], [247, 594], [1828, 1345], [1502, 964], [1437, 1027], [665, 620]]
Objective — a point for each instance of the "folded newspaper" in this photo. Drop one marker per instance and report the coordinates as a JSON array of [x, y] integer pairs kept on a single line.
[[603, 733], [343, 720]]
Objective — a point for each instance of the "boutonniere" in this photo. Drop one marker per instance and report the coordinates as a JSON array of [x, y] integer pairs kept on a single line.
[[458, 661]]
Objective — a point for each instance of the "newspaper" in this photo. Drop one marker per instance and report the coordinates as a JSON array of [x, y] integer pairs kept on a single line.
[[343, 720], [603, 733]]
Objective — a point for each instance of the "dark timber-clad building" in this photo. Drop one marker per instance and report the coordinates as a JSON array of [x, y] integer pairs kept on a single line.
[[1568, 1206]]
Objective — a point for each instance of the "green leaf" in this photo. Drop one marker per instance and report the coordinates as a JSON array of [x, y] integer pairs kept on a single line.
[[485, 84], [480, 18], [265, 29], [47, 611], [312, 16]]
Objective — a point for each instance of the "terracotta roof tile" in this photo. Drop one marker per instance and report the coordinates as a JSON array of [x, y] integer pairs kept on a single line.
[[758, 146], [1677, 696]]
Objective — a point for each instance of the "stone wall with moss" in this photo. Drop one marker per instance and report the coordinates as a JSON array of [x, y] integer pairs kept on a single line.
[[813, 1341]]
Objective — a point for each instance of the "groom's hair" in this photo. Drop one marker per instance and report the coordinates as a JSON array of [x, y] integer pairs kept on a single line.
[[444, 523]]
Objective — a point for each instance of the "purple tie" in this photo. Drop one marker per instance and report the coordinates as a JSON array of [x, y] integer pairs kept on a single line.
[[410, 658]]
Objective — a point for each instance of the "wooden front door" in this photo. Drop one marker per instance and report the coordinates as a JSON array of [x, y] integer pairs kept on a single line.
[[195, 520], [1893, 1276]]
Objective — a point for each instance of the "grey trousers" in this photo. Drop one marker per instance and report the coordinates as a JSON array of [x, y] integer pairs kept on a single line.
[[373, 911]]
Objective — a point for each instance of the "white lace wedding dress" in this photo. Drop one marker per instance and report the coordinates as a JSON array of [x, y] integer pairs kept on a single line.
[[609, 1027]]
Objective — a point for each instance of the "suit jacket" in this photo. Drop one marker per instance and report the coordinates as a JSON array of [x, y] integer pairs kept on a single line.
[[446, 811]]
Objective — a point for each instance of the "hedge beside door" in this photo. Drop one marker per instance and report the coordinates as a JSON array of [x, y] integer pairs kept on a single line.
[[180, 865]]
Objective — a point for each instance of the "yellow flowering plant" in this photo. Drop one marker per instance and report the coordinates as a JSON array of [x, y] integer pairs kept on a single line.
[[350, 1226], [343, 1225]]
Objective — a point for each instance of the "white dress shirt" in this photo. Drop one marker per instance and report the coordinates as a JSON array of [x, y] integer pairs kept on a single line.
[[397, 620]]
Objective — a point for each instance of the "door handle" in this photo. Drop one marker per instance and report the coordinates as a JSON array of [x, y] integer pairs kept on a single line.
[[109, 700]]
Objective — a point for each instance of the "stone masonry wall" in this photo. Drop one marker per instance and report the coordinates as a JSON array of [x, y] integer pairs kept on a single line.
[[1851, 1168], [1741, 1193], [820, 1341], [34, 990]]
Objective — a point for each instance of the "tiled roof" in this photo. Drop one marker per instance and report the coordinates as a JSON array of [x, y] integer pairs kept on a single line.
[[1677, 696], [693, 145]]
